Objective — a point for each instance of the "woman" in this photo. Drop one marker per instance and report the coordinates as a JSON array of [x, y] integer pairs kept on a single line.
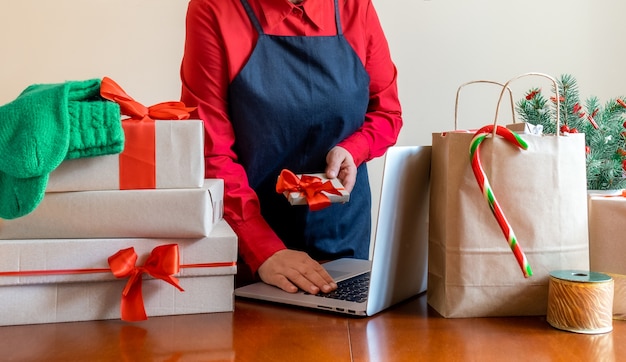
[[303, 85]]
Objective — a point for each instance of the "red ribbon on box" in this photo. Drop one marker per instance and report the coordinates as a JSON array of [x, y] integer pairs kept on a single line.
[[137, 161], [310, 186], [162, 263]]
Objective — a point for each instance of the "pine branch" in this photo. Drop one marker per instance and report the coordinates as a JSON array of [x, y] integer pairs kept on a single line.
[[605, 135]]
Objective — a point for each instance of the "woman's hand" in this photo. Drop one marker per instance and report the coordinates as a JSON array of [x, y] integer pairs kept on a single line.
[[291, 269], [340, 164]]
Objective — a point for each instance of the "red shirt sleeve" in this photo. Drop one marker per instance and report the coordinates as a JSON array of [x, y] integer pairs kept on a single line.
[[219, 40]]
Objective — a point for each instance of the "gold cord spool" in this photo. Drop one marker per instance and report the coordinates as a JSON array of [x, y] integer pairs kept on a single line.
[[580, 301]]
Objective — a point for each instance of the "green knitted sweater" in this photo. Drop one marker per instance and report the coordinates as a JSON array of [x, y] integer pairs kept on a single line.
[[45, 125]]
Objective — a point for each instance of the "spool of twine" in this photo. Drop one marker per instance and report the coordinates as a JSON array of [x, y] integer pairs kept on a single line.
[[580, 301]]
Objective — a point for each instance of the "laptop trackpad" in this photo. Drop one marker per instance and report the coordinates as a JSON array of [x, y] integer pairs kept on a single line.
[[344, 268], [337, 274]]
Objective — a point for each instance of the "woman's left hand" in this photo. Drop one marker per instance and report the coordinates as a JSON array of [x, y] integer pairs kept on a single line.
[[340, 164]]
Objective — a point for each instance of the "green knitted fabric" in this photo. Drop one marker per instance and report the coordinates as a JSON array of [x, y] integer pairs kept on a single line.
[[46, 124]]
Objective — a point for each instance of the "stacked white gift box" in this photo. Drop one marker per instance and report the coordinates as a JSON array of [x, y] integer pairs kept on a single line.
[[55, 263]]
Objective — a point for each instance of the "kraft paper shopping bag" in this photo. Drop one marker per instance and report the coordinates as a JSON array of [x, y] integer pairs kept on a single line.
[[541, 190]]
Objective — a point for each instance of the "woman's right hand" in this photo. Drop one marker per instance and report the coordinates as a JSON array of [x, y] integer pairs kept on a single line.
[[291, 269]]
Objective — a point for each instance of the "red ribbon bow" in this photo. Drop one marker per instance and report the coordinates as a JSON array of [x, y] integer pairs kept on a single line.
[[161, 264], [310, 186], [137, 161], [137, 111]]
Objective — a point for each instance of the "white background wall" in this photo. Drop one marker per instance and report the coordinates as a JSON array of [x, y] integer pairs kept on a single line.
[[436, 44]]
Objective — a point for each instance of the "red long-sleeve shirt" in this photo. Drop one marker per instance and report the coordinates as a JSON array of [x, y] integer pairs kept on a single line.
[[219, 39]]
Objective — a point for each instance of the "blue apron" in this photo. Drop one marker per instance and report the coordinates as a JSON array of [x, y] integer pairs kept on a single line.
[[295, 99]]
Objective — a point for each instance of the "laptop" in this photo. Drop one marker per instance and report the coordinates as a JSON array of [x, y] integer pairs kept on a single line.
[[399, 263]]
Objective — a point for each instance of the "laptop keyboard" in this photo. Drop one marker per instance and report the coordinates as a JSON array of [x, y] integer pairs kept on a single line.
[[352, 289]]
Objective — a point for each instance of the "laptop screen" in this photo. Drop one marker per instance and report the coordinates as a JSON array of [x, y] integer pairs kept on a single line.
[[400, 255]]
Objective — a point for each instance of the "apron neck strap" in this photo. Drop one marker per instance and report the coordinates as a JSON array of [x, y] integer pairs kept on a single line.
[[338, 18], [252, 17]]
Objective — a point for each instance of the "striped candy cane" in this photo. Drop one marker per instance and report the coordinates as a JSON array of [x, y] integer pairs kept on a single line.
[[485, 188]]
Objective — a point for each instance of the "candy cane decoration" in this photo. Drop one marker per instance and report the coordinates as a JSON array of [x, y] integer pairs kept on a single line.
[[485, 188]]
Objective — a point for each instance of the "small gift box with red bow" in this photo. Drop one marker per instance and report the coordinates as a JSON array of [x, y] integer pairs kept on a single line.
[[163, 149], [63, 280], [314, 190]]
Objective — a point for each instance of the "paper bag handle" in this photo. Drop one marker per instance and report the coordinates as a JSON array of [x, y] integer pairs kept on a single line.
[[458, 92], [556, 91]]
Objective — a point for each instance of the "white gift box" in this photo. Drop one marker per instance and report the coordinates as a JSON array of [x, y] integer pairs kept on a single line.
[[298, 198], [73, 283], [161, 213], [607, 249], [179, 162]]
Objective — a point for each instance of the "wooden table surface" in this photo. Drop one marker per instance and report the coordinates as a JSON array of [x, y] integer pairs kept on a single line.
[[410, 331]]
